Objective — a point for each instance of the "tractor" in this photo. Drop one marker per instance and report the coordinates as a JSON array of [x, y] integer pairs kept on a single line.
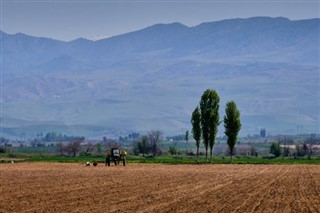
[[116, 156]]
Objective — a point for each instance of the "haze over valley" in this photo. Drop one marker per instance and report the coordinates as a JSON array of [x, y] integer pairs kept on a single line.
[[153, 78]]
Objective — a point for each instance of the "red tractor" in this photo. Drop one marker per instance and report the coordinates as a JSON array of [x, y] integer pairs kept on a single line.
[[116, 156]]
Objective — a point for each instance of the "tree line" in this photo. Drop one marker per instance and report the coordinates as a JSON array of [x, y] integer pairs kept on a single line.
[[149, 143], [54, 137], [205, 121], [282, 148]]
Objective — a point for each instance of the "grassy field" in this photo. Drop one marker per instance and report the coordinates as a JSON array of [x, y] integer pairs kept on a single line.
[[165, 159]]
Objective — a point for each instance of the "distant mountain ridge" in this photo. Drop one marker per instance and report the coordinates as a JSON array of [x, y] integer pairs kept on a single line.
[[174, 40], [153, 77]]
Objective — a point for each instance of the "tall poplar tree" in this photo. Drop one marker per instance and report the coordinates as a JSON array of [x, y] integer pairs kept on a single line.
[[209, 107], [187, 140], [232, 125], [196, 128]]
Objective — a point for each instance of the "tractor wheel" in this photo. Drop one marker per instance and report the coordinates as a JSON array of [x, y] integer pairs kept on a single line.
[[124, 161]]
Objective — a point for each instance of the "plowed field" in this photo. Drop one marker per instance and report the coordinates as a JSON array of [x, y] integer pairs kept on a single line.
[[57, 187]]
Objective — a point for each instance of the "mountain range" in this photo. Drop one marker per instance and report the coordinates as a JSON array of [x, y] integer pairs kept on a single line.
[[153, 78]]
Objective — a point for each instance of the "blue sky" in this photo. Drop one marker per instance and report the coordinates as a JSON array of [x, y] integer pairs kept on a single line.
[[71, 19]]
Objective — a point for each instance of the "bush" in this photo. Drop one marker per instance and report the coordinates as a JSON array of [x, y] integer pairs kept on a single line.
[[3, 150], [172, 150], [11, 155], [275, 149]]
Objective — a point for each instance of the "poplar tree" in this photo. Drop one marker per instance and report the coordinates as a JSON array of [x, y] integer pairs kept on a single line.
[[196, 128], [209, 107], [232, 125], [187, 140]]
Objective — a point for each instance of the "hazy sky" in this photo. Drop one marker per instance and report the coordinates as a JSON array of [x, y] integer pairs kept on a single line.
[[71, 19]]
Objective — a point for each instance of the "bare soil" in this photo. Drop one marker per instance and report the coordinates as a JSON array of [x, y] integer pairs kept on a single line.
[[58, 187]]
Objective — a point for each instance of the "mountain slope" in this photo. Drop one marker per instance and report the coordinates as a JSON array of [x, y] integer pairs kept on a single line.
[[154, 77]]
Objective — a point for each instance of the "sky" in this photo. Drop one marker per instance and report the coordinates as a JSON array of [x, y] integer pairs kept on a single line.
[[96, 19]]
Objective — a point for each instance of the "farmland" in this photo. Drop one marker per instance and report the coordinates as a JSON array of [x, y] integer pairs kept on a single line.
[[73, 187]]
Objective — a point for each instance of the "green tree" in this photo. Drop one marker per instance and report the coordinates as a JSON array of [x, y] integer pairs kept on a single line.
[[143, 145], [275, 149], [99, 148], [209, 107], [187, 139], [310, 144], [60, 148], [172, 150], [263, 132], [3, 150], [196, 128], [300, 151], [232, 125], [154, 139]]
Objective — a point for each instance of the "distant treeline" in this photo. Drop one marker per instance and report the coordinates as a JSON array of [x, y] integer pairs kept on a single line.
[[53, 137], [129, 137], [3, 140]]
